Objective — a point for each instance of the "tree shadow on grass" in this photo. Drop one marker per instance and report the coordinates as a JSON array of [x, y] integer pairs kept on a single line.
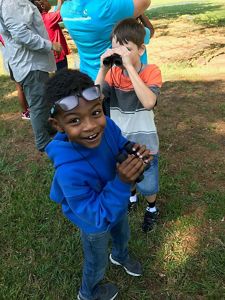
[[175, 11], [191, 125]]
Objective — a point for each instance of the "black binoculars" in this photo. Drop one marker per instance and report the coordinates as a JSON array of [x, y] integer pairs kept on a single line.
[[114, 59], [123, 155]]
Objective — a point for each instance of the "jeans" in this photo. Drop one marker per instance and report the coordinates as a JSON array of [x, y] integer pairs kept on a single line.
[[150, 184], [95, 248], [33, 86]]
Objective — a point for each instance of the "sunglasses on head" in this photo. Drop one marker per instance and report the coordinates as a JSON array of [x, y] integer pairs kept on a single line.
[[70, 102]]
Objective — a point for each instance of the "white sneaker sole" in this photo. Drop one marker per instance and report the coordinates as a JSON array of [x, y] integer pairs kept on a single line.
[[78, 297], [118, 264]]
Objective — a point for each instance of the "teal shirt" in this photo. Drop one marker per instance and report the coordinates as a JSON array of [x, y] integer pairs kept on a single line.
[[90, 24]]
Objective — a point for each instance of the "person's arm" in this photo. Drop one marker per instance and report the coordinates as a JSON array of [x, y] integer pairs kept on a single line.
[[100, 209], [103, 69], [146, 22], [140, 6], [59, 4], [144, 94], [21, 32]]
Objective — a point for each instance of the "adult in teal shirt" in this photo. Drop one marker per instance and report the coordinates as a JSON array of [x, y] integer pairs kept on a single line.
[[90, 23]]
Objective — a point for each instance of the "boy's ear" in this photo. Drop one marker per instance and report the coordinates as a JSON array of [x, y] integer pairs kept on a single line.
[[141, 49], [55, 124]]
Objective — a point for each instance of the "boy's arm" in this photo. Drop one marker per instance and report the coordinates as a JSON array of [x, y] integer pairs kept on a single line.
[[103, 69], [144, 94], [59, 4], [101, 76], [100, 209], [55, 15]]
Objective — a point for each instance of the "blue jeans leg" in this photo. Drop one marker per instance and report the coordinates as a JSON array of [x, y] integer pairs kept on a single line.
[[95, 248], [120, 234]]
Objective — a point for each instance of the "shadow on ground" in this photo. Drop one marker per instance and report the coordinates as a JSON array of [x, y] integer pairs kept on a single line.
[[174, 11]]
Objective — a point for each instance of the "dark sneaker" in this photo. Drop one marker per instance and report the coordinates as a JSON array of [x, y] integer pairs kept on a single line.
[[106, 291], [132, 206], [26, 115], [132, 267], [150, 219]]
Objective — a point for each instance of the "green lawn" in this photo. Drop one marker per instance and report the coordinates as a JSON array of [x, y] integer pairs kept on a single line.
[[183, 258]]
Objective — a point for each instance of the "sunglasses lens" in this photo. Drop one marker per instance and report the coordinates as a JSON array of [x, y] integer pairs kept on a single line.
[[72, 101], [68, 103], [91, 93]]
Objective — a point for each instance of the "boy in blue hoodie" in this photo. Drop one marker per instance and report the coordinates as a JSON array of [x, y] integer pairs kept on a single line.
[[92, 188]]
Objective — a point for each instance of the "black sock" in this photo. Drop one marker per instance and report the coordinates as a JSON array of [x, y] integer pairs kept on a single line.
[[133, 192], [152, 204]]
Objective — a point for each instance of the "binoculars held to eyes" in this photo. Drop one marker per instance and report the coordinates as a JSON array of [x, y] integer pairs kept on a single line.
[[114, 59], [123, 155]]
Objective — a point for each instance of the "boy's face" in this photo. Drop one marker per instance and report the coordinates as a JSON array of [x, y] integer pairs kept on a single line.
[[46, 6], [135, 51], [84, 124]]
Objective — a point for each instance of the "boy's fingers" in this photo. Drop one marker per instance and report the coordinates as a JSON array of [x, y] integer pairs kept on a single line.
[[132, 165]]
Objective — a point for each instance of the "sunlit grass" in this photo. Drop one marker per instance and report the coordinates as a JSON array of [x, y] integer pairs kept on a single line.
[[183, 258]]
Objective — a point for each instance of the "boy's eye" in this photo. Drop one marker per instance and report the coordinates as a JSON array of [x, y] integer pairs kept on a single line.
[[74, 121], [97, 112]]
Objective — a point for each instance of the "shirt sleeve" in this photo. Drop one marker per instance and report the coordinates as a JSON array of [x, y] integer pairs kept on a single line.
[[54, 18], [152, 76], [94, 209], [18, 20], [118, 10]]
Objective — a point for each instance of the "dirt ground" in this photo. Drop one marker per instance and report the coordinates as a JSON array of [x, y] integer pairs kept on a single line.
[[191, 111], [182, 41]]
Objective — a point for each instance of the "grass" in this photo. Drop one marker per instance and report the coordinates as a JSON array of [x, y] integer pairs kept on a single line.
[[183, 258], [207, 13]]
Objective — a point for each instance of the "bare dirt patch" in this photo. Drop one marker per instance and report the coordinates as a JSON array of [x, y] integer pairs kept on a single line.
[[181, 40]]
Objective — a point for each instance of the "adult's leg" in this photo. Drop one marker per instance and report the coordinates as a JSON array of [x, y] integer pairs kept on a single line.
[[95, 249], [33, 87], [21, 97]]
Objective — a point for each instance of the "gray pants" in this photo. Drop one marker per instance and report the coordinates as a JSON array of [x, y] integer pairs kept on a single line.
[[33, 87]]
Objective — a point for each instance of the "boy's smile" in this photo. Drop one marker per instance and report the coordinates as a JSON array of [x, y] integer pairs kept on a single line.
[[84, 124]]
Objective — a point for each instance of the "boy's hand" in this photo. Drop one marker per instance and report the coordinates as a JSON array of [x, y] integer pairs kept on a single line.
[[125, 54], [107, 53], [143, 153], [130, 169]]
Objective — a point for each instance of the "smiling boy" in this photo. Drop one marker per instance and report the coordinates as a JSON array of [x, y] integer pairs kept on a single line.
[[92, 188]]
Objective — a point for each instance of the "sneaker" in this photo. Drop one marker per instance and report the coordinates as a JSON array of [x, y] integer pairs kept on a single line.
[[132, 206], [132, 267], [26, 115], [106, 291], [150, 219]]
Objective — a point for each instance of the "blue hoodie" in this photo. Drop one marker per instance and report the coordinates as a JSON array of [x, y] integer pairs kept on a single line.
[[85, 182]]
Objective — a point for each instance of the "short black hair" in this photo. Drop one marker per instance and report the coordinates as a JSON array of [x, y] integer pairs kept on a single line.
[[129, 30], [64, 83]]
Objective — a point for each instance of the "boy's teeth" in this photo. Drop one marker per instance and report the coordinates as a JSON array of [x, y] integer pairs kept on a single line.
[[92, 136]]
